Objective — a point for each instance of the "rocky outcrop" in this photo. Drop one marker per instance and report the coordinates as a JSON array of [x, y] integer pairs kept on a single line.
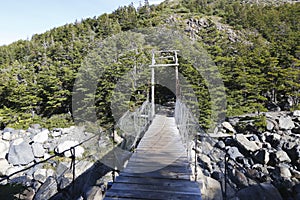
[[20, 150], [263, 155]]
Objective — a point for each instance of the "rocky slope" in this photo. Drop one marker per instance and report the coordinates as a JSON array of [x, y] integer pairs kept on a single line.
[[21, 153], [262, 153]]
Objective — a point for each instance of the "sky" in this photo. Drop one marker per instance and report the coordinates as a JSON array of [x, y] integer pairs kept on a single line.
[[20, 19]]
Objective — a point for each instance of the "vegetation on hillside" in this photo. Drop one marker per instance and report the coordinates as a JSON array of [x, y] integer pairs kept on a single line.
[[259, 66]]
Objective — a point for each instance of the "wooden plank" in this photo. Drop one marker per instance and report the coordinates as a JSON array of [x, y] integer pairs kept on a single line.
[[154, 188], [184, 176], [150, 195], [157, 181]]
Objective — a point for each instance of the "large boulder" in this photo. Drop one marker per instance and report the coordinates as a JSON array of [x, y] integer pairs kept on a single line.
[[210, 188], [286, 123], [4, 166], [20, 153], [228, 127], [247, 144], [264, 191], [296, 113], [4, 147], [282, 156], [68, 145], [234, 153], [48, 189], [41, 137], [38, 150]]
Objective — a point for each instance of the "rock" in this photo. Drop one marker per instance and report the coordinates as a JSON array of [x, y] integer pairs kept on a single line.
[[7, 129], [33, 131], [67, 145], [117, 138], [41, 137], [40, 175], [296, 113], [264, 191], [286, 123], [27, 194], [4, 147], [270, 125], [38, 150], [228, 127], [284, 171], [35, 126], [82, 166], [238, 178], [205, 162], [20, 154], [56, 133], [93, 193], [6, 136], [14, 169], [247, 144], [4, 166], [221, 144], [210, 188], [62, 168], [47, 190], [282, 156], [262, 156], [234, 153]]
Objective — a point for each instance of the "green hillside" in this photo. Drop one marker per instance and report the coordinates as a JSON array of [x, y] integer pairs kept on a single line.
[[256, 47]]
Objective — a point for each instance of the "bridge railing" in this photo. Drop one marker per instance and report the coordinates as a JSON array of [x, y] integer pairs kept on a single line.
[[133, 124]]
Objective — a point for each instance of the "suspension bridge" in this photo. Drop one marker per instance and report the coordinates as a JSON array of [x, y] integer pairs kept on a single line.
[[160, 165]]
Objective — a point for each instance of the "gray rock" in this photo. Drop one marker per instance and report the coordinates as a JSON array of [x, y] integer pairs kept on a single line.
[[4, 147], [33, 131], [221, 144], [56, 133], [228, 127], [282, 156], [238, 178], [6, 136], [40, 175], [62, 168], [234, 153], [296, 113], [284, 171], [38, 150], [270, 125], [41, 137], [262, 156], [247, 144], [264, 191], [20, 154], [210, 188], [286, 123], [93, 193], [82, 166], [4, 166], [7, 129], [35, 126], [67, 145], [47, 190]]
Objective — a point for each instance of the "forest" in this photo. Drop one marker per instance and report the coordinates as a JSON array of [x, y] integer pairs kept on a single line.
[[256, 47]]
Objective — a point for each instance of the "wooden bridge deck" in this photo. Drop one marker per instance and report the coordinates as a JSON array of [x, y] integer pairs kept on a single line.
[[158, 169]]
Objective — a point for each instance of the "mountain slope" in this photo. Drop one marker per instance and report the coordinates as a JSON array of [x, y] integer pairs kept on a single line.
[[255, 47]]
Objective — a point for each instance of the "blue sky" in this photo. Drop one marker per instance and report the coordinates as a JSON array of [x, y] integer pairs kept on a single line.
[[20, 19]]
